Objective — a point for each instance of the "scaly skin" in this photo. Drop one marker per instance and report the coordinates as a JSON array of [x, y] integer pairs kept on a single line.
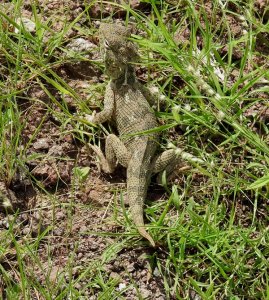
[[125, 103]]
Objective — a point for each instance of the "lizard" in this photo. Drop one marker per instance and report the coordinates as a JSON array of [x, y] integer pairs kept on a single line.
[[128, 103]]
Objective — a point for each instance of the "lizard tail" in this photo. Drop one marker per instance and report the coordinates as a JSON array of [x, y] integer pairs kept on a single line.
[[137, 216], [146, 235]]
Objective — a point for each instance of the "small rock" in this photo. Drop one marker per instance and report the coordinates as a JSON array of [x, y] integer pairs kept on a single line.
[[23, 218], [8, 200], [60, 215], [131, 268], [4, 223], [115, 275], [94, 195], [58, 232], [26, 23], [145, 293], [83, 229], [144, 275], [122, 286], [81, 45], [54, 273], [77, 286], [26, 230], [36, 215], [156, 272], [108, 196], [41, 144], [94, 246], [194, 296], [56, 150], [76, 271], [116, 266]]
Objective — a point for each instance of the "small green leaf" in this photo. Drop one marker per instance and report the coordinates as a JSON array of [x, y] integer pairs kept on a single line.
[[82, 173], [259, 183]]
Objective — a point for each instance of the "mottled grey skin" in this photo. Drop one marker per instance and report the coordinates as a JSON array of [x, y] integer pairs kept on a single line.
[[127, 102]]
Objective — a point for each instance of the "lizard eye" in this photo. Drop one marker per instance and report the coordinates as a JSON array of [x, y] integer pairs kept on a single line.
[[106, 44]]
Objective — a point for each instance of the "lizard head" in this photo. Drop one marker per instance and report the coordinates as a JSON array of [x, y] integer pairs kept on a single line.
[[118, 50], [114, 64]]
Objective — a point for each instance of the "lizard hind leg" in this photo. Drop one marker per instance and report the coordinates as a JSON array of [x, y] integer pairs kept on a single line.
[[114, 150], [166, 161]]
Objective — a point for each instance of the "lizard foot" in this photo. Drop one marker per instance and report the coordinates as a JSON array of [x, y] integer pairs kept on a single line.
[[103, 164], [90, 118]]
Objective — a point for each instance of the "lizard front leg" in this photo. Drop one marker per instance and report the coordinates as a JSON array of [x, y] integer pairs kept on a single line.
[[107, 112], [115, 151]]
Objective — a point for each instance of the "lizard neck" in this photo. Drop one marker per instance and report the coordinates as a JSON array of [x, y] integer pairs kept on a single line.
[[127, 78]]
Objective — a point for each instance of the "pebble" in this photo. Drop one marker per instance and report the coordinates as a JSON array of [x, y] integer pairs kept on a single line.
[[58, 232], [81, 45], [156, 272], [131, 268], [37, 215], [60, 215], [122, 286], [145, 293], [41, 144], [83, 229], [56, 150], [95, 196], [23, 217], [25, 23], [78, 286], [76, 270], [4, 223], [54, 273], [145, 278], [115, 275], [94, 246], [26, 230], [194, 296]]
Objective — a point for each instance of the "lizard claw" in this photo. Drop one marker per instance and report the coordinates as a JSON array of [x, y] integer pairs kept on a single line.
[[103, 163], [90, 118], [97, 151], [99, 154]]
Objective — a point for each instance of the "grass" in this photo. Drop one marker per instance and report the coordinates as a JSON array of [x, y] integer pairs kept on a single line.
[[213, 226]]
